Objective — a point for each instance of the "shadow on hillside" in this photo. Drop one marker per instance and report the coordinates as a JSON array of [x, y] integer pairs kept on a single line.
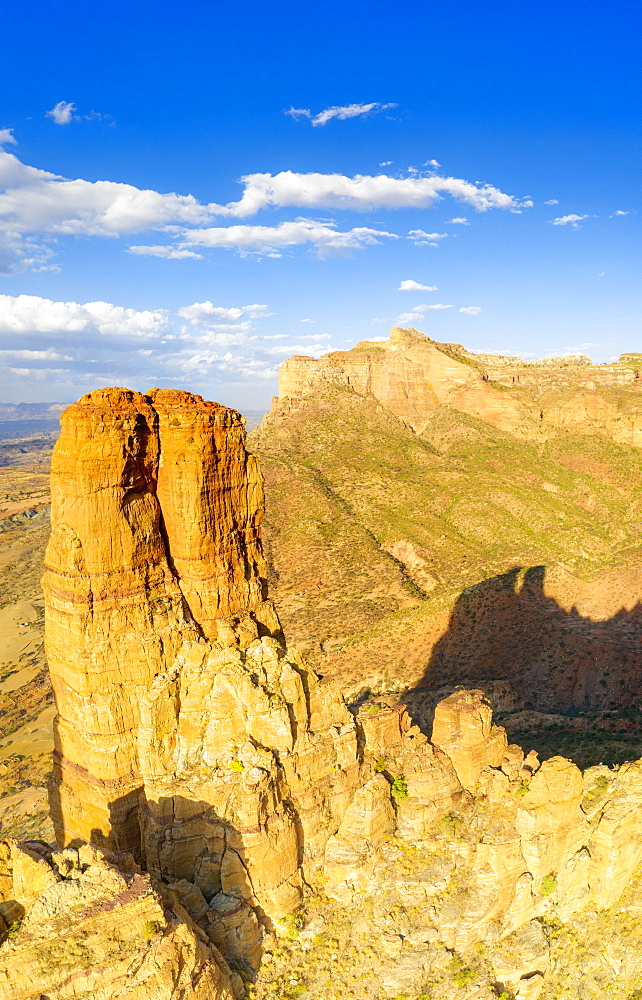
[[558, 681]]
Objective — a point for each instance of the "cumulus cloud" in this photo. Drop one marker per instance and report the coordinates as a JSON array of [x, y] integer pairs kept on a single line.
[[569, 220], [432, 163], [340, 112], [423, 239], [207, 313], [408, 285], [459, 220], [62, 113], [31, 314], [35, 201], [98, 343], [471, 310], [552, 201], [619, 211], [171, 253], [272, 239], [7, 136], [361, 193], [37, 206]]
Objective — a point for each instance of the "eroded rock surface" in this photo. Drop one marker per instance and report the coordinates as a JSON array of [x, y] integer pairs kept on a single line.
[[215, 802]]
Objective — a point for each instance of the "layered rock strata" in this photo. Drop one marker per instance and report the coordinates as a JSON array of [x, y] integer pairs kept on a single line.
[[412, 375], [189, 735], [181, 715]]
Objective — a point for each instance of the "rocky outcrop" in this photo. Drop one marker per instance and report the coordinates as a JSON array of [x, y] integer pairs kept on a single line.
[[210, 790], [89, 925], [411, 375], [184, 726]]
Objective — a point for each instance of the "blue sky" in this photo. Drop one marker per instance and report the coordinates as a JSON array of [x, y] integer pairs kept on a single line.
[[190, 193]]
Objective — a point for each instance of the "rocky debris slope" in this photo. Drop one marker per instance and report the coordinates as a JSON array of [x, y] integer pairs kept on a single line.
[[257, 812], [89, 925]]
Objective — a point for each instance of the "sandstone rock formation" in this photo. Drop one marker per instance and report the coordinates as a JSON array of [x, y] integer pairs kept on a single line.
[[211, 794], [412, 374], [415, 543], [89, 925]]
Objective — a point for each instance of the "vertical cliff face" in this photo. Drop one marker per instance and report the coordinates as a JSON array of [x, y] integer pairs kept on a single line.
[[411, 375], [129, 582], [114, 610], [184, 725], [189, 735]]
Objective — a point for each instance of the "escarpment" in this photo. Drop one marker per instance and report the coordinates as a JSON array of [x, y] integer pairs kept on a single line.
[[225, 821], [412, 375]]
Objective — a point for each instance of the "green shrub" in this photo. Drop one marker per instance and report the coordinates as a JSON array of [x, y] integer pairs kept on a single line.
[[236, 765], [549, 885], [293, 923], [399, 788], [151, 929], [461, 974]]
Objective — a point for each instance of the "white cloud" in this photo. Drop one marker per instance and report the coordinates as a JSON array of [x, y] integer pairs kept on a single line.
[[340, 112], [35, 201], [31, 314], [306, 320], [417, 313], [171, 253], [619, 211], [361, 192], [7, 136], [409, 285], [471, 310], [272, 239], [552, 201], [207, 313], [459, 220], [423, 239], [386, 163], [48, 355], [37, 206], [62, 113], [569, 220], [97, 343], [432, 163]]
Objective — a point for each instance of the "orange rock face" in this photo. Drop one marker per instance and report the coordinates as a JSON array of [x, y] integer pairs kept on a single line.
[[411, 374], [190, 735], [184, 725]]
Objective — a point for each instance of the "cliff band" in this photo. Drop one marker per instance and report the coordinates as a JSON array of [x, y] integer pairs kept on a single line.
[[412, 375]]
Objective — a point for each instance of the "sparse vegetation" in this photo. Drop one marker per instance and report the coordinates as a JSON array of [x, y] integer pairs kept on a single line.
[[548, 886], [399, 789]]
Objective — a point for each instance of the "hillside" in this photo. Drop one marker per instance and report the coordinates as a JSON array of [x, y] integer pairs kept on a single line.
[[413, 545]]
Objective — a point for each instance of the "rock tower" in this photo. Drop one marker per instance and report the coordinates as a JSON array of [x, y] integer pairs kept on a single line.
[[180, 712]]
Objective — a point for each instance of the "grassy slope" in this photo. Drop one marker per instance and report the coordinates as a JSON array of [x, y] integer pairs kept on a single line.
[[474, 508]]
